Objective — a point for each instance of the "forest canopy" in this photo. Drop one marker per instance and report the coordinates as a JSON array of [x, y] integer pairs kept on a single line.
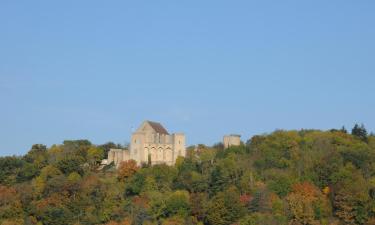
[[285, 177]]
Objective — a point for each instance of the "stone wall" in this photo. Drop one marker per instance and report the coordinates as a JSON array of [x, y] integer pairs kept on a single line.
[[117, 156], [231, 140]]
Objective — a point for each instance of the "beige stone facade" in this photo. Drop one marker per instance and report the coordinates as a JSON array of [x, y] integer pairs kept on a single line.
[[151, 142], [231, 140], [118, 155]]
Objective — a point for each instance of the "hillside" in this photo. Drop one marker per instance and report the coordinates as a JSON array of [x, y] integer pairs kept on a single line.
[[286, 177]]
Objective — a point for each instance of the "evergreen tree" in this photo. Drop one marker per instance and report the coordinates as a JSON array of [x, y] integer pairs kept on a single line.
[[343, 130], [360, 132]]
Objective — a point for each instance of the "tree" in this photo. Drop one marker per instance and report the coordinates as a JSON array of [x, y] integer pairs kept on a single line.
[[178, 204], [71, 164], [27, 172], [225, 208], [40, 182], [56, 216], [9, 168], [38, 156], [174, 221], [206, 159], [107, 147], [73, 183], [158, 208], [56, 184], [77, 148], [260, 200], [126, 169], [301, 202], [10, 204], [260, 218], [351, 195], [135, 184], [286, 177], [217, 212], [280, 184], [95, 156], [218, 181], [164, 176], [198, 204], [360, 132], [343, 130]]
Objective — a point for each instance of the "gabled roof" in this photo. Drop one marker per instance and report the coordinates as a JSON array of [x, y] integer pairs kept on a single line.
[[157, 127]]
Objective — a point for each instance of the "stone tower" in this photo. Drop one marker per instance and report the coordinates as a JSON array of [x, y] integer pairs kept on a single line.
[[231, 140]]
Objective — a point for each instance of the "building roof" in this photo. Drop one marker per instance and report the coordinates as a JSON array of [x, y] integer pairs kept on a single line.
[[233, 135], [157, 127]]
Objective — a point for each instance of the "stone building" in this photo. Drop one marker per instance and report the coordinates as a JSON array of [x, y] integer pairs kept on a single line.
[[231, 140], [152, 143], [117, 156]]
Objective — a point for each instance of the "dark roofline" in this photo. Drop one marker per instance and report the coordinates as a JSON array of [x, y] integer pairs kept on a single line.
[[233, 135], [158, 127]]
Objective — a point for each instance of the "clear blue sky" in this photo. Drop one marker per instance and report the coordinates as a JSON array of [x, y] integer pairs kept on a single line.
[[93, 69]]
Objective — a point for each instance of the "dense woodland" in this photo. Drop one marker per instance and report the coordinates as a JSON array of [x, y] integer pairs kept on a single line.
[[286, 177]]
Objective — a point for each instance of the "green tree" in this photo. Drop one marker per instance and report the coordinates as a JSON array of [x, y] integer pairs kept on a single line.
[[198, 204], [135, 184], [178, 204], [280, 184], [225, 208], [10, 165], [343, 130], [107, 147], [27, 172], [71, 164], [351, 196], [56, 216], [360, 132], [38, 156], [94, 156]]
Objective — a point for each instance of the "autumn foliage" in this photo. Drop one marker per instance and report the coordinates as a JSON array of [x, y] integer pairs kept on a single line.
[[305, 177], [126, 169]]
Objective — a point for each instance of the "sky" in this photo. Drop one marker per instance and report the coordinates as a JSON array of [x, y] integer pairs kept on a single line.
[[96, 69]]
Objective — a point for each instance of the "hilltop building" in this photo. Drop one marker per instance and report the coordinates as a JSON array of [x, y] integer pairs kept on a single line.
[[231, 140], [150, 143]]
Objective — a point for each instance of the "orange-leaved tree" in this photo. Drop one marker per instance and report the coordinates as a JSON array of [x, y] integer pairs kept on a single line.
[[126, 169], [302, 202]]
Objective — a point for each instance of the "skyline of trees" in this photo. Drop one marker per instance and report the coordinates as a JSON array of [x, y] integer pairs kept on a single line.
[[285, 177]]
